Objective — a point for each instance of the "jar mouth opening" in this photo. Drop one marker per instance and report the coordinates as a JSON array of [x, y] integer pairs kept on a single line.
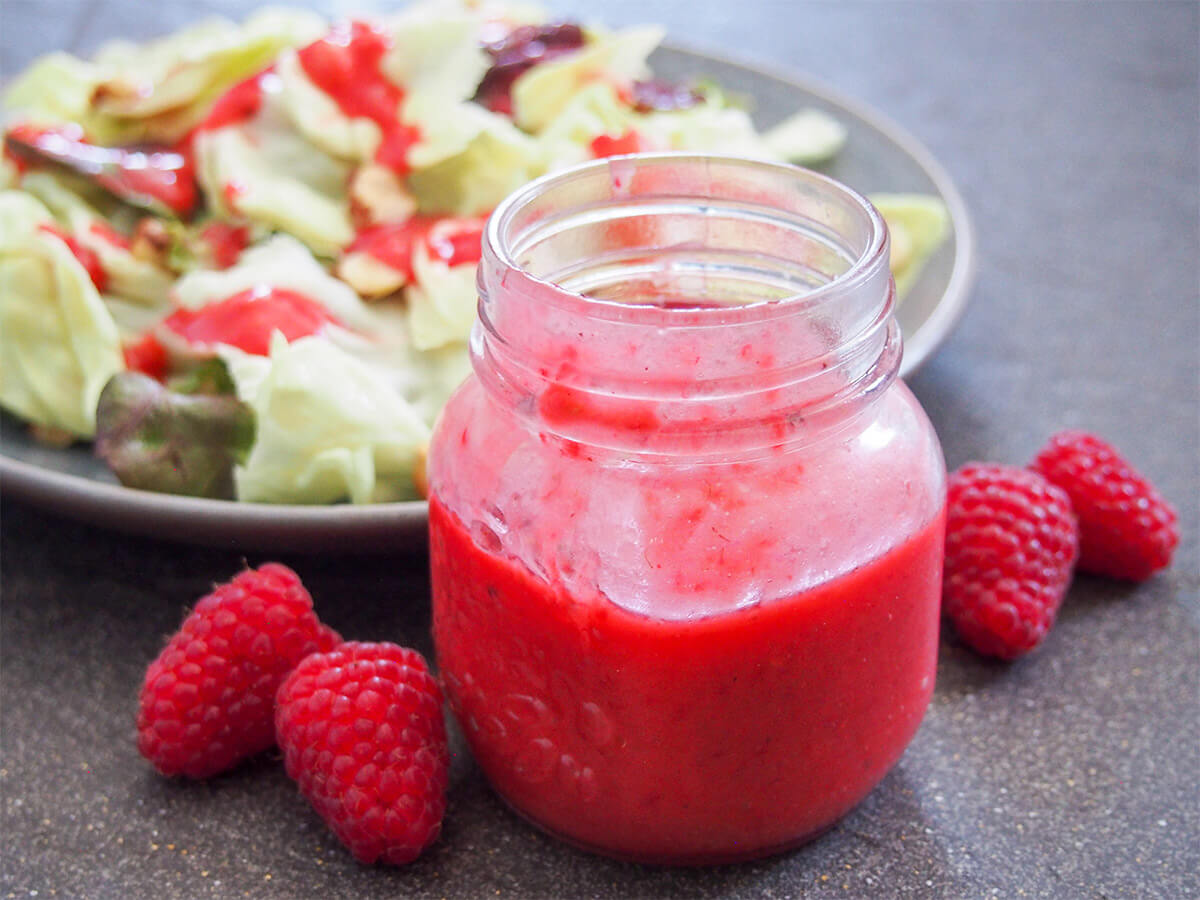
[[503, 235]]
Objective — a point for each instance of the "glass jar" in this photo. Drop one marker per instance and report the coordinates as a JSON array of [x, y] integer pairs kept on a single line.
[[686, 526]]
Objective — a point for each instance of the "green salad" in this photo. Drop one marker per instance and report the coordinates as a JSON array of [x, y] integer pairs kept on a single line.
[[241, 258]]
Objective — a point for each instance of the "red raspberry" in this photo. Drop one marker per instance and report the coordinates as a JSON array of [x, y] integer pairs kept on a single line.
[[208, 700], [1011, 541], [362, 733], [1127, 529]]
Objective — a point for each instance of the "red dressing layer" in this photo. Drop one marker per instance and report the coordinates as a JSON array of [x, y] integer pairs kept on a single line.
[[699, 740], [247, 319], [345, 65]]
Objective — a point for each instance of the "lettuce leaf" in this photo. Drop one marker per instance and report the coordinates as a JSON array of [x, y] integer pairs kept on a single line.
[[807, 137], [710, 126], [441, 301], [471, 161], [58, 343], [265, 171], [132, 279], [435, 54], [595, 110], [156, 91], [327, 428], [424, 378], [540, 94], [57, 88], [316, 116], [281, 262], [919, 224]]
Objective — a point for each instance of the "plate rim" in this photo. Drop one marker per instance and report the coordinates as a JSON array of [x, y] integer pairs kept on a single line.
[[201, 520]]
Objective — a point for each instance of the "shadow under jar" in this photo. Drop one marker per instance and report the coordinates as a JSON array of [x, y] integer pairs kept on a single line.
[[686, 526]]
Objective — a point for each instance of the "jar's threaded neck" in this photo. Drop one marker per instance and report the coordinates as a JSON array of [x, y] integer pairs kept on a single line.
[[673, 304]]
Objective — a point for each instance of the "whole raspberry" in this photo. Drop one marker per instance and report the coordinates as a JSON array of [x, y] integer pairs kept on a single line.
[[1011, 541], [208, 699], [362, 734], [1127, 529]]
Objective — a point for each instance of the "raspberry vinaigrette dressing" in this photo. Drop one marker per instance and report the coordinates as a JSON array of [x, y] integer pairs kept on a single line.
[[686, 527]]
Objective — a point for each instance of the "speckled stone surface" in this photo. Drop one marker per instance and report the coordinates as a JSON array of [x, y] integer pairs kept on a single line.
[[1072, 129]]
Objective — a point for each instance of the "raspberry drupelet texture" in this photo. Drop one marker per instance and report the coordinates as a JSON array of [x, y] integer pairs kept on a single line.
[[1011, 542], [362, 733], [1127, 529], [208, 700]]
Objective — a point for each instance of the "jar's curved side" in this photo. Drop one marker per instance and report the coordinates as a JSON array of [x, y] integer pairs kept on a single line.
[[594, 719]]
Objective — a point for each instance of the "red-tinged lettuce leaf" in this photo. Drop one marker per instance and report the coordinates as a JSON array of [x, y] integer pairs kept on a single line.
[[185, 440]]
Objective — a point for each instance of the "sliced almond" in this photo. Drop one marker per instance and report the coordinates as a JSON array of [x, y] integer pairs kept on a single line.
[[370, 277], [377, 194]]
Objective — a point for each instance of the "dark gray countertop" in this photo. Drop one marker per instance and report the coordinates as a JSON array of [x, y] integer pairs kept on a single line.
[[1072, 129]]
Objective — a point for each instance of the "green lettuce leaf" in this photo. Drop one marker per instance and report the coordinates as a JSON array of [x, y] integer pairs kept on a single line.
[[435, 54], [279, 262], [807, 137], [919, 224], [328, 429], [541, 94], [58, 342], [264, 171], [129, 278], [471, 161], [424, 378], [709, 126], [159, 90], [441, 302], [595, 110]]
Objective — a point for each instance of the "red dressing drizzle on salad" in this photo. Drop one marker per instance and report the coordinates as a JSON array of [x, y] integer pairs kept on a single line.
[[85, 255], [164, 173], [345, 65], [146, 355], [236, 105], [249, 318], [453, 242], [225, 242]]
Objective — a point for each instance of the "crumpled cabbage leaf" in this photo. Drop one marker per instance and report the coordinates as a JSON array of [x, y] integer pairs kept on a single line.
[[710, 126], [277, 178], [424, 378], [594, 111], [10, 176], [435, 57], [495, 159], [57, 88], [540, 94], [132, 279], [435, 54], [328, 429], [281, 262], [58, 343], [441, 301], [807, 137], [156, 91], [918, 224], [318, 117]]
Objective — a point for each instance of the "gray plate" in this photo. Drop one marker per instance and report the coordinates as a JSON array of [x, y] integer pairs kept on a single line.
[[879, 156]]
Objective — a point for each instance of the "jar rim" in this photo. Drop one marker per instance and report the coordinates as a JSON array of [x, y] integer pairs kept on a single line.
[[497, 243]]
